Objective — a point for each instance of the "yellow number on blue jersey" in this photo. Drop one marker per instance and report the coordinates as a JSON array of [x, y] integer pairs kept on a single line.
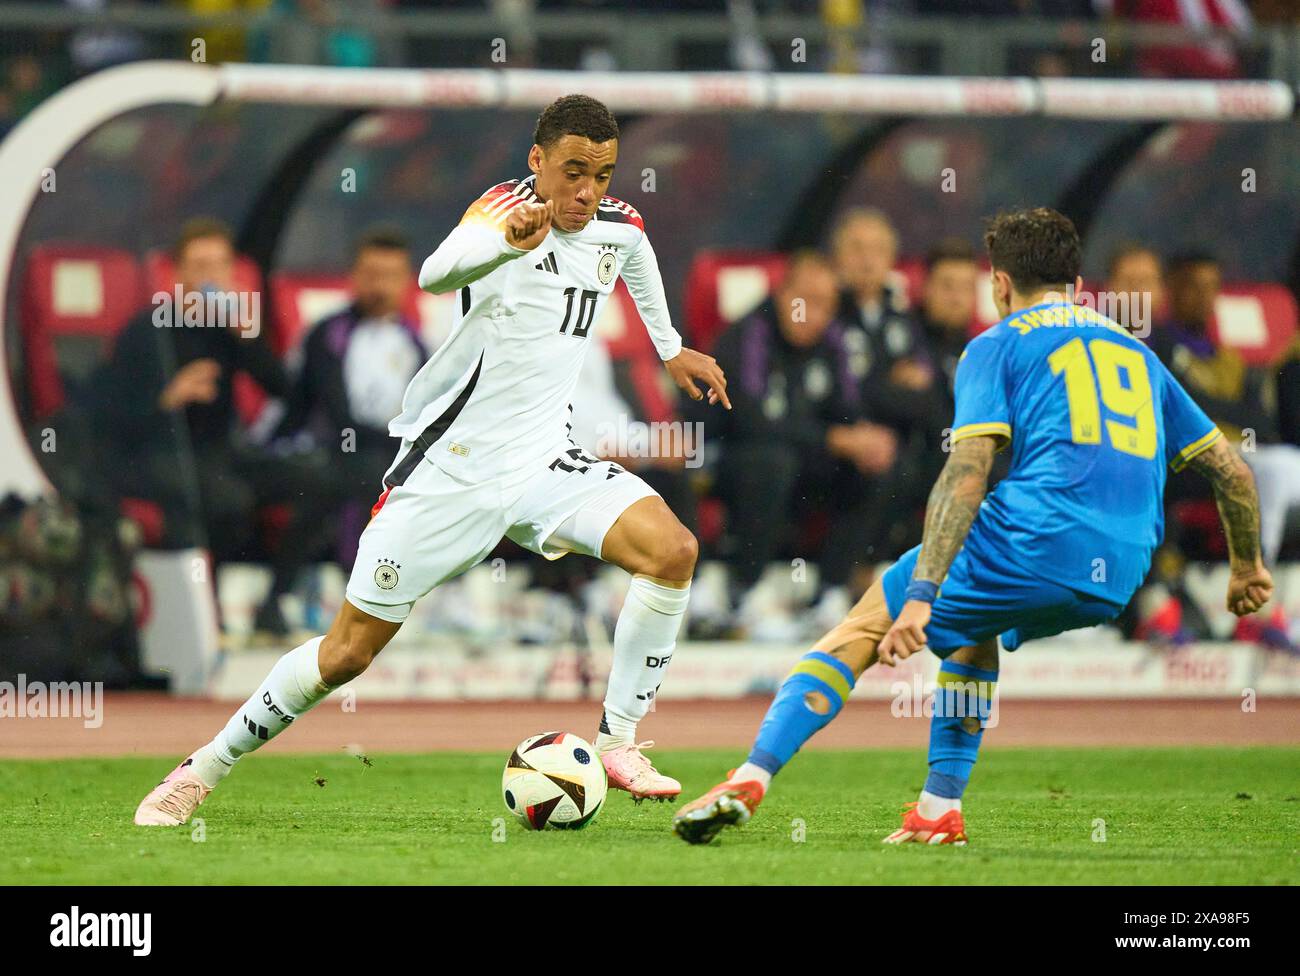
[[1105, 365]]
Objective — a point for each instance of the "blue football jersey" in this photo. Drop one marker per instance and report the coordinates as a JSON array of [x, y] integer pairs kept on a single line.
[[1092, 418]]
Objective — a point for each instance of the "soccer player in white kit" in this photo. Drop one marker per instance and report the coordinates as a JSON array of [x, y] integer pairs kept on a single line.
[[485, 453]]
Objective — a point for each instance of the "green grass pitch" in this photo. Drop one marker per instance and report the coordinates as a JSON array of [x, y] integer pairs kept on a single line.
[[1168, 816]]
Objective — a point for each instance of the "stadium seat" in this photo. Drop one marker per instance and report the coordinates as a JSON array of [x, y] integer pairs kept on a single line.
[[1257, 320], [75, 293], [1200, 517], [301, 299], [724, 285], [75, 299]]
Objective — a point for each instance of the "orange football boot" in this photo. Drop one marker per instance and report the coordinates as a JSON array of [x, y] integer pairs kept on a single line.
[[948, 829], [726, 805]]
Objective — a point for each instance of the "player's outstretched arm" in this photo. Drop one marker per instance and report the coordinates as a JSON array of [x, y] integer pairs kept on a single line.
[[686, 366], [954, 503], [1250, 585], [482, 242]]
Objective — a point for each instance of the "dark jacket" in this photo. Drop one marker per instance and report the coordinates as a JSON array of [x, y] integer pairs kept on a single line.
[[144, 360], [874, 348], [1288, 400], [943, 349], [1234, 395], [780, 393]]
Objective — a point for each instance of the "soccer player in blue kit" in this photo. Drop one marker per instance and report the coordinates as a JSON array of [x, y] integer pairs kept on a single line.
[[1092, 418]]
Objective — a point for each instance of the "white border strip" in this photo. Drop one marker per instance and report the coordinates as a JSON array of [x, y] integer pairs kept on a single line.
[[1082, 98], [1153, 100], [40, 142]]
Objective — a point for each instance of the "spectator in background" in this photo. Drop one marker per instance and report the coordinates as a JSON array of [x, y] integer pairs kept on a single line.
[[24, 84], [103, 46], [943, 324], [1216, 377], [885, 356], [1135, 280], [794, 440], [944, 321], [355, 366], [1238, 398], [164, 403], [312, 32], [1214, 57]]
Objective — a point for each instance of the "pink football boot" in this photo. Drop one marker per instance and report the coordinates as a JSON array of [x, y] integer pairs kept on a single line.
[[629, 769], [173, 801]]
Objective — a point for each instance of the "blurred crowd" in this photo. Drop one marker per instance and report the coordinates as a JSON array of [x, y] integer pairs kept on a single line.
[[841, 410], [333, 32], [844, 395], [843, 398]]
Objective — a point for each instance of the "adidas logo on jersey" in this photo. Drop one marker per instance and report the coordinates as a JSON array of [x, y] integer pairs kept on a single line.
[[548, 264]]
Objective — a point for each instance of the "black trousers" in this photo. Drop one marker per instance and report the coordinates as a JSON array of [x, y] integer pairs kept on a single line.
[[215, 502], [770, 490]]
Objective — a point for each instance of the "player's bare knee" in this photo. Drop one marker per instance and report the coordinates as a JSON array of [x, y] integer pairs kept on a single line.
[[675, 556], [983, 655]]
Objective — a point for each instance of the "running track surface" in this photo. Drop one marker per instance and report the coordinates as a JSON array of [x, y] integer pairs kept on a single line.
[[149, 724]]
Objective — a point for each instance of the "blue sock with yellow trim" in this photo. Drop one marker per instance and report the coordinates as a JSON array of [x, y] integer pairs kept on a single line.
[[962, 703], [791, 721]]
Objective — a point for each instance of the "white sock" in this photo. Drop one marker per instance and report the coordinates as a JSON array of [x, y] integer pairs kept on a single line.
[[292, 688], [211, 768], [644, 638], [933, 807], [748, 771]]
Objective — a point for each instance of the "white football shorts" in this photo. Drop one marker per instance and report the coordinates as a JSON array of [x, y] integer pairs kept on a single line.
[[433, 526]]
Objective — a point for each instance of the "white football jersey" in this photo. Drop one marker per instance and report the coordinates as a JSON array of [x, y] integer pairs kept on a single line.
[[494, 399]]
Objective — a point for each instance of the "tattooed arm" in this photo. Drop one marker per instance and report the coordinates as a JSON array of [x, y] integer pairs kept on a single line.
[[1250, 585], [954, 503]]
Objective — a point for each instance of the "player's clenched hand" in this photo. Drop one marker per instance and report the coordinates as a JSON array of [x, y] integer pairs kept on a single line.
[[907, 635], [528, 223], [688, 366], [1249, 588]]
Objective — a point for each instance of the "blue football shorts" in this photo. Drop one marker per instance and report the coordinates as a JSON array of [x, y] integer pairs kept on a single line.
[[979, 600]]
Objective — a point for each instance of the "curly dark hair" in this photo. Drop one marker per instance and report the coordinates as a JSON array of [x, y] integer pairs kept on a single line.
[[1037, 248], [575, 115]]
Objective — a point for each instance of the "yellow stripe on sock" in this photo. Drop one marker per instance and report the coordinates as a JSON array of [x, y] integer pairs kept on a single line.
[[824, 672], [984, 689]]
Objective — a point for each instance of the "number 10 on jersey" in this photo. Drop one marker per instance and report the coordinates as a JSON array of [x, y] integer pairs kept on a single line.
[[586, 312]]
